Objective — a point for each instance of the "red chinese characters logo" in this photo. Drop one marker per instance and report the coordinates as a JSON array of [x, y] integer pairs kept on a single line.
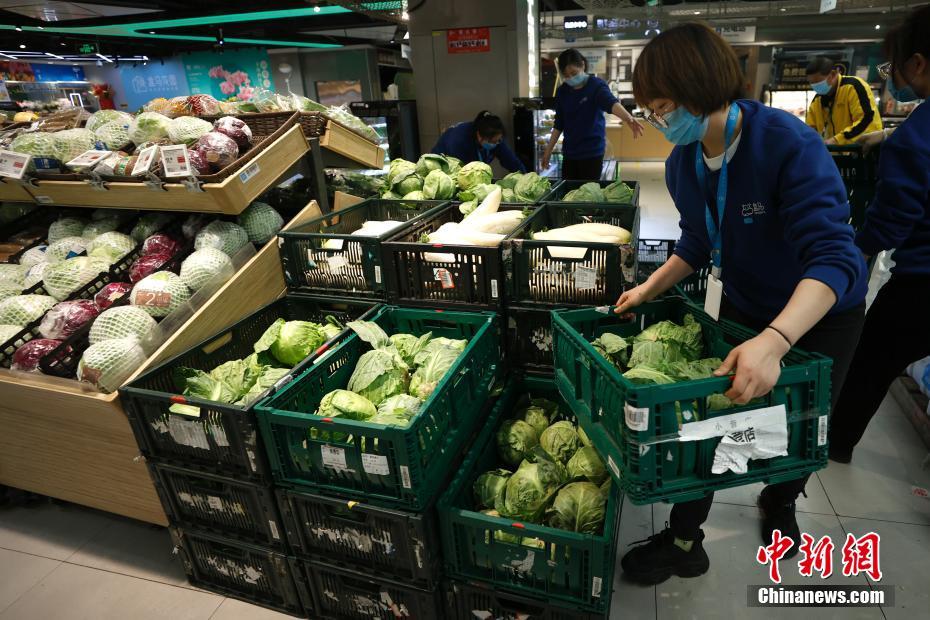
[[817, 557], [772, 553], [860, 555]]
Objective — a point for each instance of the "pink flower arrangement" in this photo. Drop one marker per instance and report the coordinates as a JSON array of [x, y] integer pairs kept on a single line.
[[227, 88], [216, 72], [245, 94], [232, 81]]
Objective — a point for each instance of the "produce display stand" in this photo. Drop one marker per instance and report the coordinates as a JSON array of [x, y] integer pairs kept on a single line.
[[67, 442], [14, 191]]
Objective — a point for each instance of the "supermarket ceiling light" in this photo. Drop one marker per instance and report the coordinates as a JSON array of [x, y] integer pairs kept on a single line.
[[146, 30]]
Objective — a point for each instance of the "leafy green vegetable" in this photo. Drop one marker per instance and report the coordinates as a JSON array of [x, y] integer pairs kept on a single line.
[[530, 488], [578, 507], [587, 463], [401, 405], [687, 335], [437, 344], [613, 348], [290, 342], [472, 174], [515, 439], [438, 186], [398, 169], [431, 371], [644, 374], [432, 161], [531, 187], [691, 371], [269, 377], [489, 487], [539, 414], [655, 354], [476, 193], [467, 207], [583, 437], [560, 441], [507, 195], [417, 195], [378, 375], [510, 181], [389, 419], [409, 345], [346, 404], [370, 332], [589, 192], [618, 191], [410, 182]]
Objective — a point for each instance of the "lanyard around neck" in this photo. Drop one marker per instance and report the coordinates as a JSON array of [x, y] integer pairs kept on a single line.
[[714, 229]]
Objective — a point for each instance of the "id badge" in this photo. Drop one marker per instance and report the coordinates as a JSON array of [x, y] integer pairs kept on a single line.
[[714, 296]]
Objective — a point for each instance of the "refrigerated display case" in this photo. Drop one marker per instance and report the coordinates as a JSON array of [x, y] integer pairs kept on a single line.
[[396, 124], [533, 119]]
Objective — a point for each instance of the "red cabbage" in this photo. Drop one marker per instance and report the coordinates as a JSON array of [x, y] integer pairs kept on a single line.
[[67, 317], [26, 358], [146, 265], [160, 244], [110, 293]]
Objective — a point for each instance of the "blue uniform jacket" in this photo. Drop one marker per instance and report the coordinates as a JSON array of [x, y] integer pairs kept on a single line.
[[459, 141]]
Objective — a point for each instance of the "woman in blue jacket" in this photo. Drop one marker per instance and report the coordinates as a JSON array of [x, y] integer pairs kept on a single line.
[[897, 328], [761, 199], [479, 140], [580, 104]]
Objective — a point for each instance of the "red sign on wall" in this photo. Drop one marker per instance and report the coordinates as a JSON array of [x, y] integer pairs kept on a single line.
[[468, 40]]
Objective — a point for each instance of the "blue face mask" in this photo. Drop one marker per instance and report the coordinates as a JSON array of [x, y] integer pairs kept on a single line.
[[904, 95], [684, 127], [488, 146], [577, 80], [821, 88]]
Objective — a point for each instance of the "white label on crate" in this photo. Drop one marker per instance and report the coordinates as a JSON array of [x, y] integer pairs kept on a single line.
[[596, 586], [334, 244], [246, 175], [186, 498], [252, 461], [613, 466], [585, 278], [405, 476], [13, 165], [337, 263], [822, 430], [722, 425], [88, 159], [494, 288], [176, 161], [219, 435], [378, 274], [215, 502], [145, 161], [334, 457], [188, 433], [443, 276], [44, 200], [637, 418], [375, 464], [274, 529]]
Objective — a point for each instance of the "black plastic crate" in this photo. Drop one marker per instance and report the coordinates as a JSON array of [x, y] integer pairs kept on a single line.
[[468, 601], [224, 438], [529, 340], [460, 277], [652, 254], [559, 191], [403, 545], [343, 594], [222, 506], [241, 571], [575, 273], [324, 257]]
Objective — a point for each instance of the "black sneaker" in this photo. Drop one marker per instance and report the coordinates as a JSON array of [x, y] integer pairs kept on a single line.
[[777, 515], [840, 455], [660, 558]]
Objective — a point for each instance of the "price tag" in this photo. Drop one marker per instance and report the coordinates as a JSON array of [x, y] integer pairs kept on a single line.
[[375, 464], [334, 457], [153, 299], [405, 476], [88, 159], [585, 278], [145, 161], [443, 276], [637, 418], [176, 161], [337, 263], [215, 502], [246, 175], [13, 165]]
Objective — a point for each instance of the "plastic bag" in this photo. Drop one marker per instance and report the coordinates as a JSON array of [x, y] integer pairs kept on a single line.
[[147, 265], [203, 105], [27, 357], [160, 243], [219, 150], [110, 293], [342, 115], [236, 129], [68, 317]]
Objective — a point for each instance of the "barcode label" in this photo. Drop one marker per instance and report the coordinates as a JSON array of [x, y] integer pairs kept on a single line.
[[375, 464], [494, 289], [274, 529], [637, 418], [215, 502], [444, 277], [405, 476], [596, 585], [378, 274], [585, 278], [822, 427], [44, 200], [613, 466], [246, 175], [334, 457]]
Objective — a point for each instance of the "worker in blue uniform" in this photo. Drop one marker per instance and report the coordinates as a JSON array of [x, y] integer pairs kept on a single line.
[[761, 200], [897, 327], [478, 140]]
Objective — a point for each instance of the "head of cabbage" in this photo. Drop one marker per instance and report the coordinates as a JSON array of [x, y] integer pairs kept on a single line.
[[489, 487], [69, 143], [431, 161], [290, 342], [474, 173], [589, 192], [477, 193], [586, 463], [397, 169], [346, 404], [560, 441], [531, 187], [406, 183], [149, 127], [400, 406], [438, 186], [379, 374], [539, 414], [515, 439], [530, 488], [578, 507]]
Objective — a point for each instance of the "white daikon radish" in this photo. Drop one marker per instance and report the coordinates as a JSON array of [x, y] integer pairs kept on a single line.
[[457, 234], [502, 222], [560, 234], [374, 228], [489, 205], [606, 230]]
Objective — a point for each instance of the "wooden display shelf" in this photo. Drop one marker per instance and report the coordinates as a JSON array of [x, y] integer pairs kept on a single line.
[[13, 191], [349, 144], [229, 197], [65, 441]]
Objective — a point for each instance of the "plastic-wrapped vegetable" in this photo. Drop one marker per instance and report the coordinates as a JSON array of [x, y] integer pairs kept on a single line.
[[117, 165], [66, 227], [111, 246], [218, 149], [236, 129], [159, 104], [148, 225], [37, 144], [27, 357], [69, 143], [149, 127], [34, 275], [62, 279], [160, 244], [104, 117], [65, 248], [187, 129], [97, 227], [67, 317], [199, 162], [203, 105], [33, 256], [107, 364], [160, 293], [24, 309], [12, 274], [8, 332], [342, 115], [106, 296], [177, 106], [225, 236], [261, 222], [121, 322], [147, 265], [204, 265], [115, 135]]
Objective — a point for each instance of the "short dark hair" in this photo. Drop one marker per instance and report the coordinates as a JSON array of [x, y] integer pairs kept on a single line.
[[571, 56], [820, 65], [691, 65], [488, 125], [912, 36]]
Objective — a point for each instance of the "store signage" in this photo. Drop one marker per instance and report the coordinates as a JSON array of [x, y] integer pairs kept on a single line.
[[576, 23], [87, 48], [468, 40], [13, 165], [597, 59], [176, 161], [827, 5], [737, 34]]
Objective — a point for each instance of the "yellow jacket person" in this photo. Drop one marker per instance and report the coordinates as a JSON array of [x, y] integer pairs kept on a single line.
[[844, 107]]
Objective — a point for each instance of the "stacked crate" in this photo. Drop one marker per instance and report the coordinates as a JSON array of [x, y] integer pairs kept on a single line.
[[210, 468], [358, 500]]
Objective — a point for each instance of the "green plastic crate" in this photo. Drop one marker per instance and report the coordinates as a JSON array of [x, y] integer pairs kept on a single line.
[[323, 257], [596, 276], [673, 471], [574, 570], [388, 466]]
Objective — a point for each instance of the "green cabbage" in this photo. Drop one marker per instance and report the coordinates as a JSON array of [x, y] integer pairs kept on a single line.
[[187, 129], [104, 117], [688, 336], [646, 375], [149, 127], [397, 170], [401, 405], [290, 342], [430, 372], [530, 488], [587, 463], [583, 437], [410, 182], [531, 187], [515, 439], [97, 227], [114, 136], [148, 225], [69, 143], [204, 265], [613, 348], [489, 487], [111, 246], [467, 207], [438, 186], [378, 375], [260, 222], [539, 414], [62, 279], [510, 181], [160, 293], [589, 192], [346, 404], [414, 196], [476, 193], [38, 144], [121, 322], [224, 236], [618, 191], [409, 346], [507, 196], [472, 174], [107, 364], [22, 310], [579, 507], [560, 441], [431, 161]]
